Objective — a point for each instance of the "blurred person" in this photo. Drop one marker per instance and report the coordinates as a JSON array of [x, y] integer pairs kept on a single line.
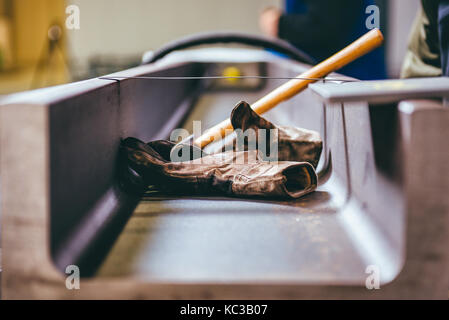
[[322, 27], [428, 49]]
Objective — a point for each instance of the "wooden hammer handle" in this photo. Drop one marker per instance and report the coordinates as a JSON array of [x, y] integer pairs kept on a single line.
[[358, 48]]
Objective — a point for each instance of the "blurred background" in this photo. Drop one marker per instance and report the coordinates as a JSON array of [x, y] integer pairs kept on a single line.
[[38, 50]]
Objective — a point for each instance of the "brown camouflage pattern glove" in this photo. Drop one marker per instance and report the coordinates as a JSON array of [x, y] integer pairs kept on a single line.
[[293, 144], [240, 173]]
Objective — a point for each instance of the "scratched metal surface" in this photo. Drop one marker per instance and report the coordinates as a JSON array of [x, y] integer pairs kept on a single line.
[[241, 240]]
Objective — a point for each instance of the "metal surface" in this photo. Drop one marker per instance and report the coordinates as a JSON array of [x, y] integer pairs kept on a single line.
[[312, 240], [383, 91], [75, 238], [236, 239], [315, 247]]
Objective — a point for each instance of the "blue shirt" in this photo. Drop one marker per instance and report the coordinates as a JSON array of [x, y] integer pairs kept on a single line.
[[370, 66]]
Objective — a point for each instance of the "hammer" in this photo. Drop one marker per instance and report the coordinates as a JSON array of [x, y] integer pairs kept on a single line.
[[358, 48]]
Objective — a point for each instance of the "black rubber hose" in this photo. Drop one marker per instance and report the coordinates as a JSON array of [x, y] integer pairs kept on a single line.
[[278, 45]]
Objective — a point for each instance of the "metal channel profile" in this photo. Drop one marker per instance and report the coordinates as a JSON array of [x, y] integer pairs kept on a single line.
[[63, 142]]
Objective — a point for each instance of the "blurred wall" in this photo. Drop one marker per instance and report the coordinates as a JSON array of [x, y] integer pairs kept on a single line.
[[27, 60], [131, 27], [124, 29], [134, 26], [31, 20]]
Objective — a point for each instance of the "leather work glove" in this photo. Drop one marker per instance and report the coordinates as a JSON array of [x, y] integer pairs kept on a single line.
[[293, 144], [240, 173]]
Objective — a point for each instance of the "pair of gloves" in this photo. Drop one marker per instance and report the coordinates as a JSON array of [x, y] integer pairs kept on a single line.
[[242, 171]]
